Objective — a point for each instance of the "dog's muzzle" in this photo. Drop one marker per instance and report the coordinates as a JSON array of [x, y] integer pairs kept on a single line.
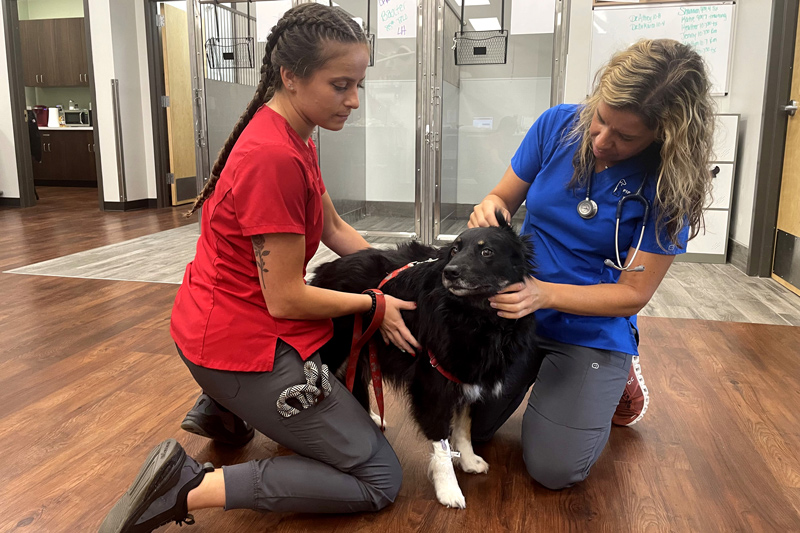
[[453, 281]]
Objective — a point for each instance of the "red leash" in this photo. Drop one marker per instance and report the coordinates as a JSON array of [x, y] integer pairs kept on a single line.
[[359, 339]]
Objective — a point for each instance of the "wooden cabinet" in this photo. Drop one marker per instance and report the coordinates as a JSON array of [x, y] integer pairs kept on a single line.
[[68, 159], [54, 52]]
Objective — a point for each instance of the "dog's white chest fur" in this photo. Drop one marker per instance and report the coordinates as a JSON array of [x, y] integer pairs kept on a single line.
[[472, 392]]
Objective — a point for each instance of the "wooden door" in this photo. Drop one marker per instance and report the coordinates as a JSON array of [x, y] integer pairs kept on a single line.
[[29, 42], [180, 119], [786, 262]]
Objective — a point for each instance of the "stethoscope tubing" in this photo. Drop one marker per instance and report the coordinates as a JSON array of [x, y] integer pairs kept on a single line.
[[636, 197]]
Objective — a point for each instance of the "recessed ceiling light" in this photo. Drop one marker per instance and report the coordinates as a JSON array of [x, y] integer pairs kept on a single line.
[[474, 3], [485, 24]]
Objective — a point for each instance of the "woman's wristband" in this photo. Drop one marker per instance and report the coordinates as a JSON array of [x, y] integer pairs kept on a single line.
[[374, 301]]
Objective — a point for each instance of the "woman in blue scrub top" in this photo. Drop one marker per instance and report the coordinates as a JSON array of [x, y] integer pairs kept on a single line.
[[646, 129]]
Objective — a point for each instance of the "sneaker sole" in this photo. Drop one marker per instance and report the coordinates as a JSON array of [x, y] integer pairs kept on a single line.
[[197, 427], [162, 464], [637, 371]]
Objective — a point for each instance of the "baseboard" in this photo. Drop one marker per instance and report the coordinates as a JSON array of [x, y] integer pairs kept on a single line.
[[144, 203], [737, 255], [10, 202]]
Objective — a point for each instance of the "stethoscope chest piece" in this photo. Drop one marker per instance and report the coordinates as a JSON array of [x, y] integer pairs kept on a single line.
[[587, 208]]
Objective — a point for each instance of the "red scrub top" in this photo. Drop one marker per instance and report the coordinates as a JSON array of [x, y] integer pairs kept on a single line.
[[271, 183]]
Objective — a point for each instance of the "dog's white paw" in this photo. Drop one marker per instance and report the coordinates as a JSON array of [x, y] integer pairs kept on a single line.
[[443, 476], [450, 495], [473, 464], [377, 419]]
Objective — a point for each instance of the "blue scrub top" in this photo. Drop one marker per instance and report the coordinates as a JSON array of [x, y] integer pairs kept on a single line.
[[571, 250]]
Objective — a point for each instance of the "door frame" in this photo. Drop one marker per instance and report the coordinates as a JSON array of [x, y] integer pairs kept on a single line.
[[27, 196], [773, 138], [155, 67], [197, 66], [92, 92]]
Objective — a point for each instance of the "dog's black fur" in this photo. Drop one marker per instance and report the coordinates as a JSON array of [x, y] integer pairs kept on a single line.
[[453, 319]]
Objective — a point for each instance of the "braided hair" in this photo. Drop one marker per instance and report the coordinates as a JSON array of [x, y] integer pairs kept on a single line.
[[295, 43]]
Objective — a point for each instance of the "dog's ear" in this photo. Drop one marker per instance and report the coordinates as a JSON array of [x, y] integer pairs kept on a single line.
[[501, 219], [530, 257]]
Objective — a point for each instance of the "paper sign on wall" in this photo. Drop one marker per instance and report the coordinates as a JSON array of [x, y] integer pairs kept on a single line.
[[397, 19]]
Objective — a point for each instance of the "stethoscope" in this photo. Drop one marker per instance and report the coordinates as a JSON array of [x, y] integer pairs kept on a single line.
[[587, 209]]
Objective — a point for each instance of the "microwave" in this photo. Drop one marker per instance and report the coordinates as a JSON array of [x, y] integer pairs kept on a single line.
[[76, 117]]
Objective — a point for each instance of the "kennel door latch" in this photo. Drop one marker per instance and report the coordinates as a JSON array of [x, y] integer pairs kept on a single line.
[[791, 108]]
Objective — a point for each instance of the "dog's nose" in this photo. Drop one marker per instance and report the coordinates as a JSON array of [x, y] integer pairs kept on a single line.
[[452, 272]]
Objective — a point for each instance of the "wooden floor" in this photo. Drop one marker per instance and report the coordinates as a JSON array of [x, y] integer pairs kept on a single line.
[[89, 382]]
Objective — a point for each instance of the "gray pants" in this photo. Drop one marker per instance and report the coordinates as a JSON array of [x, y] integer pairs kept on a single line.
[[344, 463], [568, 419]]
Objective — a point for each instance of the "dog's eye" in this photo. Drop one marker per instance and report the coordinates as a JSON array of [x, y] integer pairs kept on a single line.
[[486, 252], [453, 251]]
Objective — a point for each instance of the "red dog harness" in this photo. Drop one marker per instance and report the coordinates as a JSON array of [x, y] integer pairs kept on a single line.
[[359, 339]]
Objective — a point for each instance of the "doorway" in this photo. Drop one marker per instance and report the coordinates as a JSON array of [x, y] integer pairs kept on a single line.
[[52, 97], [172, 102], [786, 259]]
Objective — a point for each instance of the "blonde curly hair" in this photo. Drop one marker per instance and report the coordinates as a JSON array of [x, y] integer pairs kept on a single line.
[[665, 83]]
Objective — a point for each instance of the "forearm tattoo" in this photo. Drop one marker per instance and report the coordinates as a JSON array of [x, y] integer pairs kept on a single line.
[[261, 253]]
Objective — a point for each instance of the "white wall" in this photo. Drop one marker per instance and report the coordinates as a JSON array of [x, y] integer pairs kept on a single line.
[[120, 52], [9, 183], [746, 96], [103, 65], [147, 166], [126, 23]]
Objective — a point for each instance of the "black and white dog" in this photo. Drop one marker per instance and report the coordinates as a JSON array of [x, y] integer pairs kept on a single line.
[[466, 348]]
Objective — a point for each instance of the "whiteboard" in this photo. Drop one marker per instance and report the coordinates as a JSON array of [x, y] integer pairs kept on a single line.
[[707, 27]]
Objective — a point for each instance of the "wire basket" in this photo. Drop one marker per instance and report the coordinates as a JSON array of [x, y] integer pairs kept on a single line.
[[481, 47], [230, 52]]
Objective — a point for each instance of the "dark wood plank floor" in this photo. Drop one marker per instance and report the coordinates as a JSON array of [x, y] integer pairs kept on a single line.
[[89, 382], [67, 220]]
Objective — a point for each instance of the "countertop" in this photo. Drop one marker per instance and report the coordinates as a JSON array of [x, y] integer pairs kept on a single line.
[[67, 128]]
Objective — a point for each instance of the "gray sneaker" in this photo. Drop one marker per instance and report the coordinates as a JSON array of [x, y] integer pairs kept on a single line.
[[158, 494], [209, 419]]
